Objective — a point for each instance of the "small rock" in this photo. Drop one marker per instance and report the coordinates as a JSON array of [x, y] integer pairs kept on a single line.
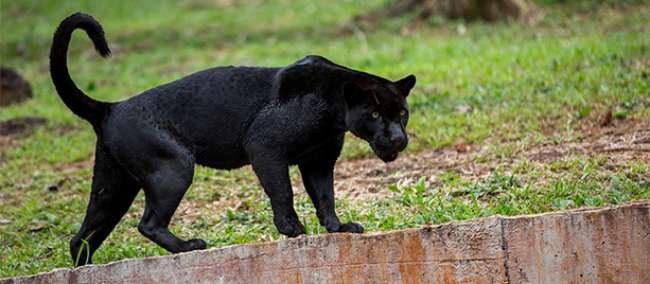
[[607, 119], [52, 188], [13, 88], [461, 147], [5, 222]]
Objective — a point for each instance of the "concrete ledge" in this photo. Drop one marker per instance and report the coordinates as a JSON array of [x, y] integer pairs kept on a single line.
[[608, 245]]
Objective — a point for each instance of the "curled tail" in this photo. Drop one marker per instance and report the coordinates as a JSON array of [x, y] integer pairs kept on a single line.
[[75, 99]]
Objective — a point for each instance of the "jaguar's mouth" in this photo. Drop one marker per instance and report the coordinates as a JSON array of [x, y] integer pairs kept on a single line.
[[390, 157], [385, 155]]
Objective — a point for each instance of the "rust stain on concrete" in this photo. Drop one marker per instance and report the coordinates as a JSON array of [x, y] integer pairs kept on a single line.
[[607, 245]]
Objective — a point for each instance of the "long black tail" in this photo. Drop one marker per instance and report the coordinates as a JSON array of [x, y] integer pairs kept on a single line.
[[75, 99]]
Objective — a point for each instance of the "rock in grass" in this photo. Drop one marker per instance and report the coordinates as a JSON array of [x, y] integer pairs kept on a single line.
[[13, 87]]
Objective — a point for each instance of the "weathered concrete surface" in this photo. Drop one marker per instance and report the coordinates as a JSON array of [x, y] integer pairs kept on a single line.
[[606, 246], [609, 245]]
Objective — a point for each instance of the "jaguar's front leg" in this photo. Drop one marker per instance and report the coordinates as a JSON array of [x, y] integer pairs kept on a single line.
[[274, 177], [318, 178]]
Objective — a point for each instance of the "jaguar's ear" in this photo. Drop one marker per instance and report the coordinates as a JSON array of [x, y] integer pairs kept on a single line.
[[294, 80], [406, 84]]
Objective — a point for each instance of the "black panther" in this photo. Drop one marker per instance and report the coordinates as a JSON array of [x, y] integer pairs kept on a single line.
[[225, 118]]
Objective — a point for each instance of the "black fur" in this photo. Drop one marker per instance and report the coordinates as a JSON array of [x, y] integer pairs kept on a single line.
[[225, 118]]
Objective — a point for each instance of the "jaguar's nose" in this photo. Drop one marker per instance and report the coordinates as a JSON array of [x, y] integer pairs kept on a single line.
[[399, 142], [397, 136]]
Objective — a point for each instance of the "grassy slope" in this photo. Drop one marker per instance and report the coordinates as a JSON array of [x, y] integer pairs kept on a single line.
[[518, 80]]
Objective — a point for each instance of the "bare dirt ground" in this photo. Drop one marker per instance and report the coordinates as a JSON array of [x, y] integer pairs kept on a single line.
[[618, 140], [12, 130]]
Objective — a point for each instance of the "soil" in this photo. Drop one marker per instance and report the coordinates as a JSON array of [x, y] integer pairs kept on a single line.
[[12, 130], [619, 140]]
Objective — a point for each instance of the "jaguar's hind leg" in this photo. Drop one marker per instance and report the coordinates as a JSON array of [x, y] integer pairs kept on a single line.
[[113, 191], [164, 188]]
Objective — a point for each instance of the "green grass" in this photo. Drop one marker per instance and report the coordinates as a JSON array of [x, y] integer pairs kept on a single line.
[[518, 81]]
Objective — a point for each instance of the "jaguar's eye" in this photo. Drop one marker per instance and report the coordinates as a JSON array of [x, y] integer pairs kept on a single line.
[[375, 114], [402, 112]]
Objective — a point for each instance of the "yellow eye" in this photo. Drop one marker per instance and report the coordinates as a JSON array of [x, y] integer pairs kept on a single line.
[[402, 112], [375, 114]]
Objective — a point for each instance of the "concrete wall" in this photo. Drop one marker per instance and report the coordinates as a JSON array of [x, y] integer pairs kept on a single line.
[[609, 245]]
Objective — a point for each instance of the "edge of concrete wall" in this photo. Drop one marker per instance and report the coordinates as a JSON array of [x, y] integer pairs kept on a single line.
[[609, 244]]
